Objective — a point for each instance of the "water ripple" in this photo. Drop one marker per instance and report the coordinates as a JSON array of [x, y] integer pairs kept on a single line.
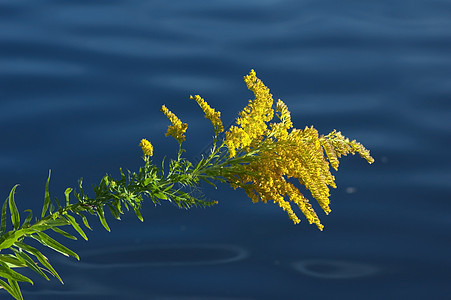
[[334, 269], [161, 255]]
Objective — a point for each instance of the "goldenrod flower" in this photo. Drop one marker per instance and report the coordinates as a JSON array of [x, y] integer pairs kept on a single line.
[[210, 113], [253, 118], [283, 154], [146, 147], [177, 129]]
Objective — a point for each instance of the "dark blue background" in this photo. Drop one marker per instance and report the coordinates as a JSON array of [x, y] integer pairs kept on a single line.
[[81, 82]]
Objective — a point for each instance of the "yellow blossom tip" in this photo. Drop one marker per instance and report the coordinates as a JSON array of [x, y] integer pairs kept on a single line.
[[210, 113], [147, 147], [177, 129]]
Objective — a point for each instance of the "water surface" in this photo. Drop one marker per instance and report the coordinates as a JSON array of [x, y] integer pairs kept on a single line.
[[81, 82]]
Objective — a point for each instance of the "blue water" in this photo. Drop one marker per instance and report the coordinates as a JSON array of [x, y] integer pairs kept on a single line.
[[81, 82]]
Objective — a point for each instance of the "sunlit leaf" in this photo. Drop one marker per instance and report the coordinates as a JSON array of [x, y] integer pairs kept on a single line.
[[66, 193], [147, 181], [12, 261], [114, 211], [15, 286], [117, 203], [64, 233], [3, 225], [76, 226], [42, 259], [47, 201], [138, 213], [57, 222], [26, 223], [51, 243], [10, 290], [101, 215], [161, 196], [8, 273], [30, 263], [11, 237], [85, 220], [58, 203], [15, 218]]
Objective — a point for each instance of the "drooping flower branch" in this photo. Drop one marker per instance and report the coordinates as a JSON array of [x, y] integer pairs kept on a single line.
[[261, 154]]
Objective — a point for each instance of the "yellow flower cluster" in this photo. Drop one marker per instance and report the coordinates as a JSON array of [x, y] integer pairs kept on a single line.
[[177, 129], [335, 145], [283, 156], [210, 113], [252, 121], [147, 147]]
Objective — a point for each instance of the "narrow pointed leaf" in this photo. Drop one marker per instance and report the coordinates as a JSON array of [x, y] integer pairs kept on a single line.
[[57, 222], [30, 263], [3, 225], [12, 261], [9, 238], [168, 187], [8, 273], [15, 286], [47, 201], [51, 243], [209, 182], [66, 193], [42, 259], [118, 206], [51, 208], [114, 211], [80, 186], [85, 220], [138, 213], [147, 181], [9, 289], [63, 233], [76, 226], [26, 223], [15, 218], [161, 195], [58, 203], [101, 215]]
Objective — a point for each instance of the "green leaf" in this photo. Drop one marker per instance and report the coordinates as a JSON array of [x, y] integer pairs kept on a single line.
[[15, 218], [58, 203], [66, 193], [80, 186], [85, 221], [26, 223], [30, 263], [57, 222], [12, 261], [47, 201], [76, 226], [101, 215], [51, 243], [42, 259], [63, 233], [209, 182], [9, 238], [114, 211], [16, 288], [148, 180], [161, 196], [3, 226], [10, 290], [8, 273], [138, 213], [51, 208], [168, 188], [117, 203]]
